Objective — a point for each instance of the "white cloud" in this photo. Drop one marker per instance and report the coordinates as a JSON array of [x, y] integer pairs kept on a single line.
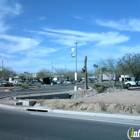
[[69, 37], [124, 24], [130, 49], [14, 44], [42, 18], [78, 17], [112, 38], [40, 52], [4, 55], [8, 8], [3, 27], [38, 19]]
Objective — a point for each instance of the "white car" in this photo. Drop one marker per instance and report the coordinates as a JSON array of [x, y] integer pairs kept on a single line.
[[132, 83]]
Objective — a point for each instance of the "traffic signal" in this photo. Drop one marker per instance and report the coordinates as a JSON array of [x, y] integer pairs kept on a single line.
[[83, 69]]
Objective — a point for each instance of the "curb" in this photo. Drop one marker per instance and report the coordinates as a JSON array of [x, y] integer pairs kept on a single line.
[[12, 107], [82, 113], [92, 114]]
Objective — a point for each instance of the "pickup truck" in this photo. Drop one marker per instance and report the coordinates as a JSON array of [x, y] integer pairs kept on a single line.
[[132, 83]]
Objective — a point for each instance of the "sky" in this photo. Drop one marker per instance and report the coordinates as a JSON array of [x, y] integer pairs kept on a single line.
[[39, 34]]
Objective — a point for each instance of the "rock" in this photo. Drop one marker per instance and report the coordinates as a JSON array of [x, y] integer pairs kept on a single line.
[[97, 107], [114, 107], [91, 107], [83, 107]]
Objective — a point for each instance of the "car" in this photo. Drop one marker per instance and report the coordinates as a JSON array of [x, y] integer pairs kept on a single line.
[[8, 84], [132, 83], [138, 83], [19, 83], [37, 82]]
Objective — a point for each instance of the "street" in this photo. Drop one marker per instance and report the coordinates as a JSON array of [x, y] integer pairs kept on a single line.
[[35, 90], [44, 89], [27, 126]]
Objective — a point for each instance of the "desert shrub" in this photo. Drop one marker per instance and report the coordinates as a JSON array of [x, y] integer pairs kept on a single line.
[[38, 85], [118, 86], [138, 109], [30, 83], [126, 86], [101, 86], [24, 86]]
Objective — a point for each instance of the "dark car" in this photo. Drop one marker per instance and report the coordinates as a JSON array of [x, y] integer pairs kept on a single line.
[[8, 84], [37, 82]]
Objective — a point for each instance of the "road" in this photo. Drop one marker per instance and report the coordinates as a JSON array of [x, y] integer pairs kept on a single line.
[[34, 90], [45, 89], [27, 126]]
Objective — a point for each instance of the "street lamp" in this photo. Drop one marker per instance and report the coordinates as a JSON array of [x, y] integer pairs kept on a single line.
[[74, 54], [2, 66], [52, 75], [1, 69], [75, 87]]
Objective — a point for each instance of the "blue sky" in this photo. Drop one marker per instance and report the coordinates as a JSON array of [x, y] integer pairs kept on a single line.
[[35, 33]]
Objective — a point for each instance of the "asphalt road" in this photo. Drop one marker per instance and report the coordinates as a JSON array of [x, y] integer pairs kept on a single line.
[[26, 126], [35, 90], [44, 89]]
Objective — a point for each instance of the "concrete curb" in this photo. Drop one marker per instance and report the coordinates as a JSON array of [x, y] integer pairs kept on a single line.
[[82, 113], [118, 116], [12, 107]]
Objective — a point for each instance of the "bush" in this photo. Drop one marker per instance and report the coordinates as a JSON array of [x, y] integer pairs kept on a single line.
[[24, 86], [38, 85], [126, 86], [118, 86], [101, 86], [30, 83], [138, 109]]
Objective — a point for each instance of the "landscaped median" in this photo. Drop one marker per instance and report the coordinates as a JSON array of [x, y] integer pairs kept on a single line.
[[119, 101], [112, 102]]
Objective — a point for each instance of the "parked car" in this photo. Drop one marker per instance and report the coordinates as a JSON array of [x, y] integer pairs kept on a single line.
[[8, 84], [37, 82], [132, 83], [19, 83]]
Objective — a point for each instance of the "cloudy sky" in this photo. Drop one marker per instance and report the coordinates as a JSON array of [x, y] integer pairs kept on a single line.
[[36, 33]]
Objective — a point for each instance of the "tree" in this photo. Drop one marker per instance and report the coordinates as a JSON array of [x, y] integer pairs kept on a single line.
[[130, 64], [6, 73], [44, 73], [109, 68], [60, 72]]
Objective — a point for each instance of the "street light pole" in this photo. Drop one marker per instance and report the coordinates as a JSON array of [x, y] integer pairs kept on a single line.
[[2, 71], [52, 75], [2, 66], [75, 87]]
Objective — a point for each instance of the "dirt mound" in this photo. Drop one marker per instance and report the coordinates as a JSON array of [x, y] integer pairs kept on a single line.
[[123, 101]]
